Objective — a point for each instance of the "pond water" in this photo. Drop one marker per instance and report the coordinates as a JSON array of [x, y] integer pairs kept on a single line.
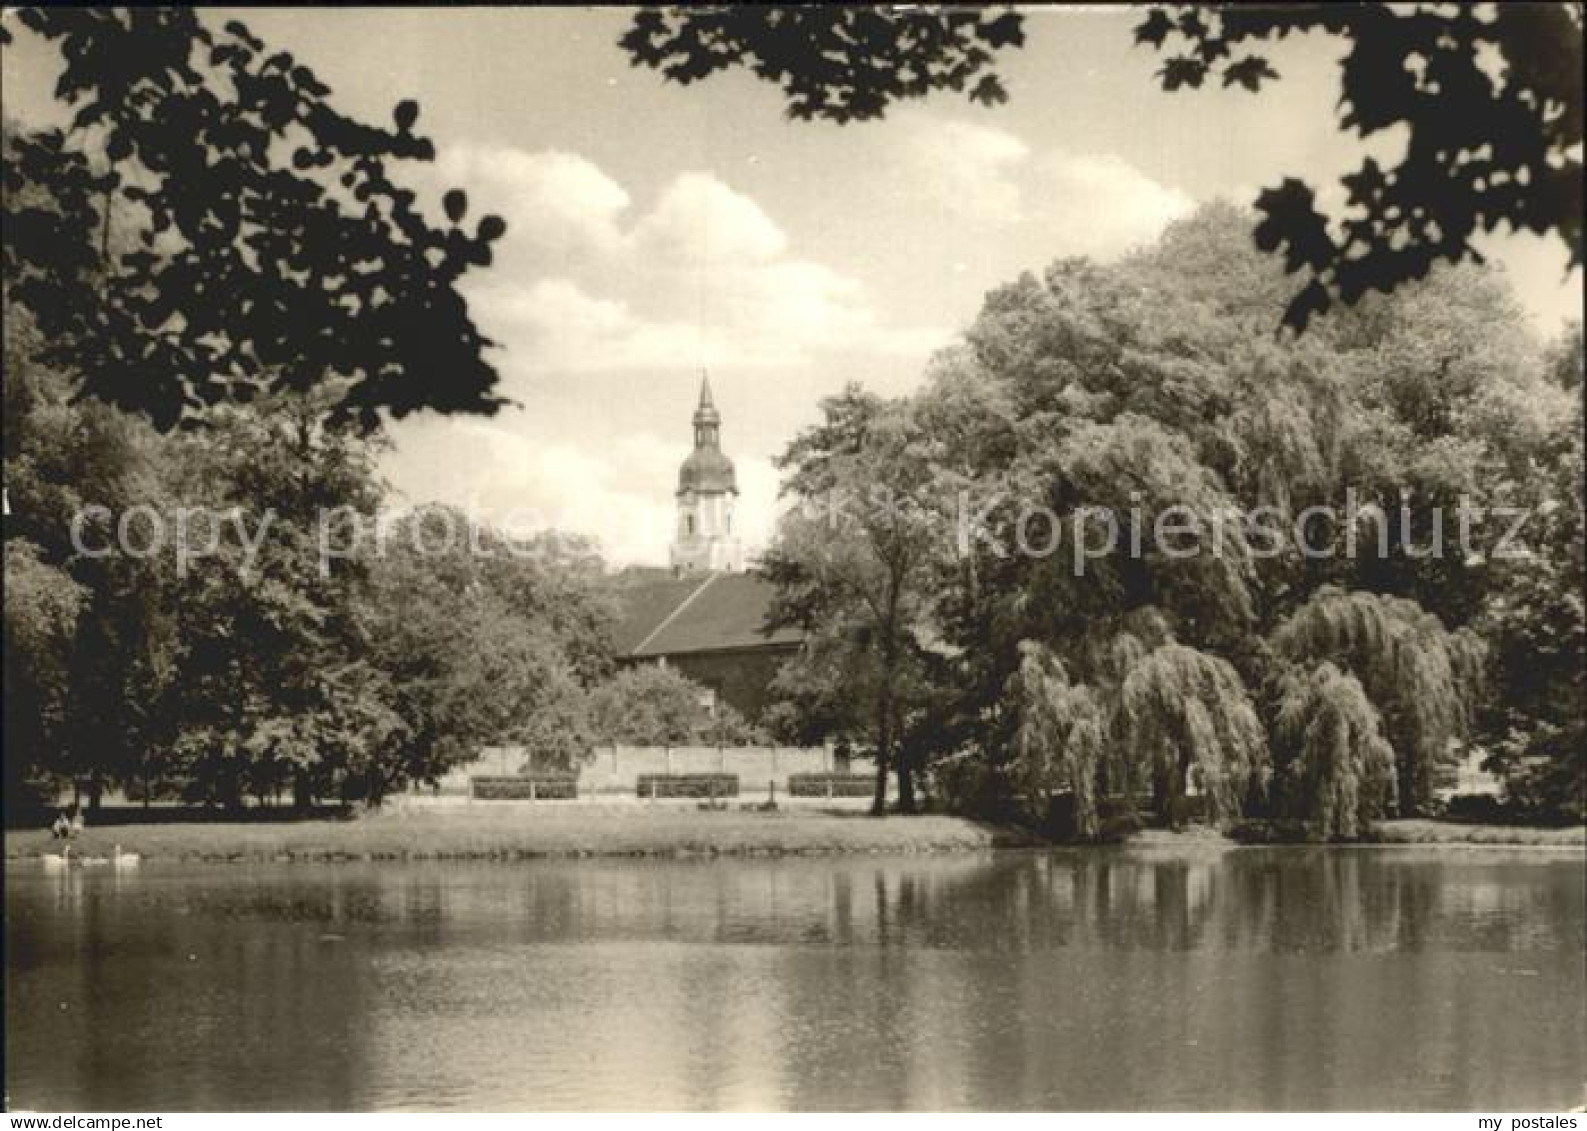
[[1259, 978]]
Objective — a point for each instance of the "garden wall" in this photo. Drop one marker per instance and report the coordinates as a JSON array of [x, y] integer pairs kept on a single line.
[[616, 769]]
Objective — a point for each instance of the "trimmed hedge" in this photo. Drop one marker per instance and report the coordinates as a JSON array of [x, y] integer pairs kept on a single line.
[[687, 785], [831, 785], [525, 787]]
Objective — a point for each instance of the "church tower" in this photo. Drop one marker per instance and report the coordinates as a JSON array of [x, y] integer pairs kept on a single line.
[[707, 491]]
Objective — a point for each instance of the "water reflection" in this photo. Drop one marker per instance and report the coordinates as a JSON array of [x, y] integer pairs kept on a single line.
[[1327, 978]]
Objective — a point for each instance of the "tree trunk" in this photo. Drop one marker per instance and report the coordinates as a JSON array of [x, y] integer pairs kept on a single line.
[[1168, 790], [302, 798], [879, 801], [884, 706], [906, 783], [884, 743], [1409, 799]]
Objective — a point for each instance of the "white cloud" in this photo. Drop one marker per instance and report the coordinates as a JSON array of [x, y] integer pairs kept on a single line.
[[701, 222], [964, 167], [702, 277], [515, 482], [1071, 204], [1549, 288], [555, 325], [550, 199], [1100, 205], [748, 319]]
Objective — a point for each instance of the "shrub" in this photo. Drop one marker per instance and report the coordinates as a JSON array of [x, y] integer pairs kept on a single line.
[[688, 785], [1479, 809], [831, 785], [655, 706], [1270, 830], [973, 784], [1118, 818], [525, 787]]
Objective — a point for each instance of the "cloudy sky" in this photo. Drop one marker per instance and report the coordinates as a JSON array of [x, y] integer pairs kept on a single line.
[[655, 230]]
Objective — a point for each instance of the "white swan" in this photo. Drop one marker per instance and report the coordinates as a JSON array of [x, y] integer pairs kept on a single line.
[[57, 861], [125, 859], [95, 861]]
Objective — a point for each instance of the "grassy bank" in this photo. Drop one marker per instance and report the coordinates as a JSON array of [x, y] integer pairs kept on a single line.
[[509, 831], [1420, 831], [514, 831]]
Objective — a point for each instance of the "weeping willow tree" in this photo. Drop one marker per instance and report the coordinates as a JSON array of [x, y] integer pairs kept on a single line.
[[1184, 716], [1282, 441], [1061, 739], [1336, 770], [1115, 649], [1422, 679]]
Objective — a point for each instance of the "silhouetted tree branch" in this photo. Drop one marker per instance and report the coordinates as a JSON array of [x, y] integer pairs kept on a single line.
[[271, 248], [1489, 97], [841, 63]]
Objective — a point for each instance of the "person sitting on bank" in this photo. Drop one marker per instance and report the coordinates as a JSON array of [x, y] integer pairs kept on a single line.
[[62, 828], [77, 823]]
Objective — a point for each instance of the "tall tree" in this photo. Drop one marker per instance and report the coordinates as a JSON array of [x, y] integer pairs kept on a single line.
[[855, 559], [1148, 385], [64, 459], [484, 639], [274, 690], [1535, 619], [42, 608]]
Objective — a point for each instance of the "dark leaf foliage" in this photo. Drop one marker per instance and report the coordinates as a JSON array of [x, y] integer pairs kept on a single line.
[[1489, 97], [839, 63], [277, 250]]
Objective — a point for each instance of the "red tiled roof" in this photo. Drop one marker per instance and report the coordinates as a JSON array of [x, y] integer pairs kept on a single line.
[[699, 614]]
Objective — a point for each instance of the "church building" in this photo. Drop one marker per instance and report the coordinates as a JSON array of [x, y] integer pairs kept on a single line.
[[707, 492], [705, 615]]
